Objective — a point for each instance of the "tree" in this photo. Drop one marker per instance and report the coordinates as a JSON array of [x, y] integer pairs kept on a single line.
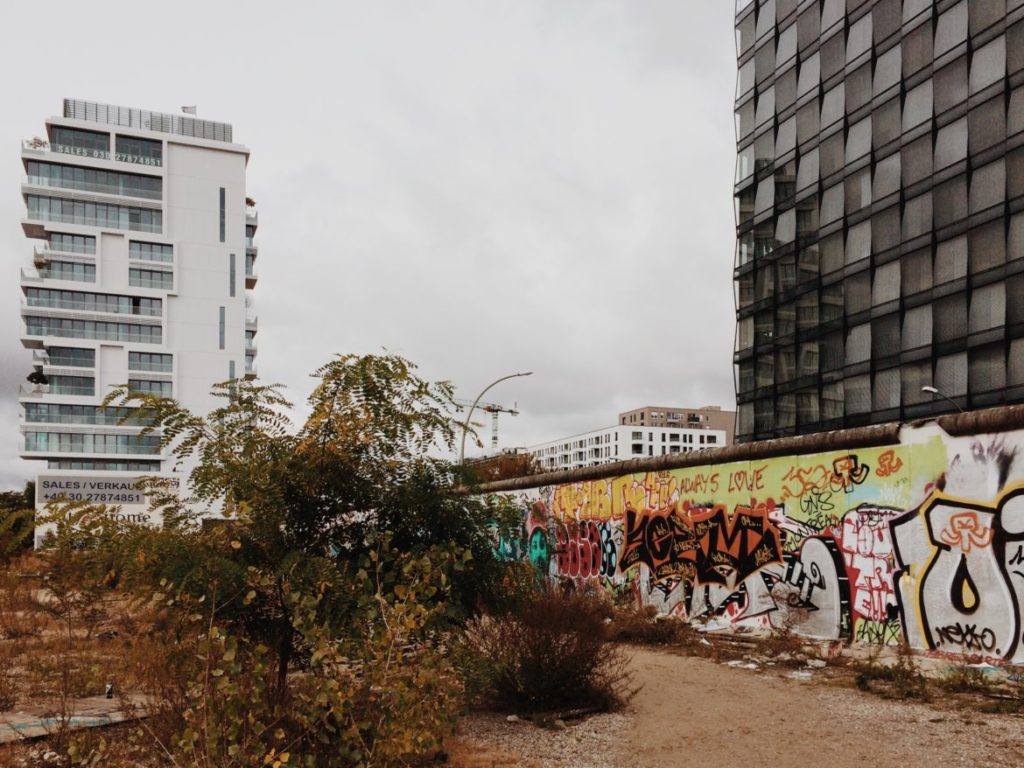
[[17, 521], [305, 509]]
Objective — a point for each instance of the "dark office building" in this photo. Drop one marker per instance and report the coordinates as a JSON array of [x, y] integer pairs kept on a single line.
[[880, 210]]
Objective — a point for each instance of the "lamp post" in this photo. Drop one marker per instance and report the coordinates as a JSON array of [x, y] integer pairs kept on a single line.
[[934, 391], [465, 426]]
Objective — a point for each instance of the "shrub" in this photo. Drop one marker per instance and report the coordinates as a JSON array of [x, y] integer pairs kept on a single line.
[[902, 680], [553, 653], [643, 625]]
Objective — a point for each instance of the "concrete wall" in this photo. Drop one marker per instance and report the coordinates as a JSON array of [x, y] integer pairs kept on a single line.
[[891, 533]]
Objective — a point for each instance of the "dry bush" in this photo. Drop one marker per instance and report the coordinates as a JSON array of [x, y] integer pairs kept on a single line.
[[901, 680], [554, 653], [633, 624], [961, 678]]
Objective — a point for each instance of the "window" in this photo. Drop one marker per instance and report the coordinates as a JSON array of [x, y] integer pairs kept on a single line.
[[93, 214], [833, 106], [71, 357], [807, 172], [886, 123], [986, 370], [69, 270], [787, 46], [887, 70], [140, 151], [917, 327], [72, 385], [858, 190], [988, 308], [745, 79], [917, 107], [231, 275], [150, 278], [917, 45], [810, 75], [951, 29], [69, 442], [858, 344], [886, 391], [93, 180], [858, 39], [89, 329], [986, 247], [71, 141], [150, 361], [221, 328], [858, 140], [951, 144], [986, 125], [60, 241], [886, 284], [951, 374], [65, 413], [858, 394], [916, 272], [951, 260], [917, 216], [887, 177], [150, 387], [988, 65], [832, 204], [93, 302], [951, 85], [917, 160], [160, 252], [913, 376], [988, 186], [858, 242], [222, 214], [949, 319]]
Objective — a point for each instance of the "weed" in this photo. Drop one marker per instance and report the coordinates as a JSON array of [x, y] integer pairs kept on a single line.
[[554, 653], [901, 680], [964, 679]]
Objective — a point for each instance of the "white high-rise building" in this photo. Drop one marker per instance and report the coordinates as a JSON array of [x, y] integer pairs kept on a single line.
[[143, 261]]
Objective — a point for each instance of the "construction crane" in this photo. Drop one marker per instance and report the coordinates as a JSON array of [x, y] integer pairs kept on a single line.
[[494, 409]]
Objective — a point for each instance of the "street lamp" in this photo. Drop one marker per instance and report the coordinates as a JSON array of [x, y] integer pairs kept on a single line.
[[934, 391], [465, 427]]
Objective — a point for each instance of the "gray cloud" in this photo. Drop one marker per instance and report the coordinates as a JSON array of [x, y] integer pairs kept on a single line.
[[481, 186]]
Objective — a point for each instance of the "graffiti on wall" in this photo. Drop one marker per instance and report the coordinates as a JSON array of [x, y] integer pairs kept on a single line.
[[921, 541]]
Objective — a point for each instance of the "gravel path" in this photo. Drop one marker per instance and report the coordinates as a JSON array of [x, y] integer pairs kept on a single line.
[[694, 712]]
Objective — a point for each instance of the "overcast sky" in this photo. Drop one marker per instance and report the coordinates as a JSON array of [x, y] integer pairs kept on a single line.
[[483, 186]]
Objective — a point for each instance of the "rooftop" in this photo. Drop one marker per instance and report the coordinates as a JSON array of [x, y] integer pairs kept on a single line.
[[143, 119]]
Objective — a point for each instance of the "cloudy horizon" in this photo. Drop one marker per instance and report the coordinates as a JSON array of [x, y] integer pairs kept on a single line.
[[483, 187]]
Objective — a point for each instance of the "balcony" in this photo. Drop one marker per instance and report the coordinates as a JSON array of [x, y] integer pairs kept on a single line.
[[29, 275], [251, 322], [250, 276], [119, 190]]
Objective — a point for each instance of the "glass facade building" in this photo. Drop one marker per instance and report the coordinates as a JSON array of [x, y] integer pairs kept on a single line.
[[879, 209]]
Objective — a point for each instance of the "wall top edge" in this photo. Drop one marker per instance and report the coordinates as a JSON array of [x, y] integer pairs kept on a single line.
[[998, 419]]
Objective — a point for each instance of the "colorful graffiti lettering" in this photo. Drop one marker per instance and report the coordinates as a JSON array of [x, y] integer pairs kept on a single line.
[[921, 541]]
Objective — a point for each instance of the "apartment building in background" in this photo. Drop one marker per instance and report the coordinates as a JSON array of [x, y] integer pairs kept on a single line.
[[628, 441], [707, 417], [880, 211], [142, 265]]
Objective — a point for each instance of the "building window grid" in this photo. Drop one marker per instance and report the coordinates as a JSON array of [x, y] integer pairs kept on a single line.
[[93, 302], [762, 259]]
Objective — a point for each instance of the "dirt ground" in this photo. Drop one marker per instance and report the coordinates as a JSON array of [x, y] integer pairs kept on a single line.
[[695, 712]]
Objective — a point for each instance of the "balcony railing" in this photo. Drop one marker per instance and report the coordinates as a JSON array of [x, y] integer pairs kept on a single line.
[[103, 189]]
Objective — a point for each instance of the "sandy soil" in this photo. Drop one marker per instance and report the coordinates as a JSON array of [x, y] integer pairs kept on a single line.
[[695, 712]]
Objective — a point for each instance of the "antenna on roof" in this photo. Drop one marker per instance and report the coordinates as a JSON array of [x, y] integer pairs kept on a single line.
[[189, 110]]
